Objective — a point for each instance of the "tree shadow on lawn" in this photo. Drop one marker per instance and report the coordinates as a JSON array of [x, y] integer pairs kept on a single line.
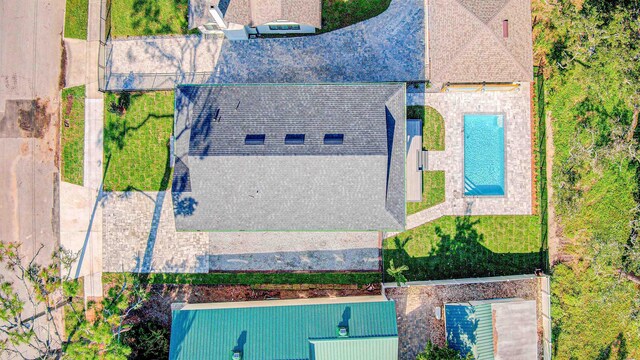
[[116, 134], [461, 255], [147, 16]]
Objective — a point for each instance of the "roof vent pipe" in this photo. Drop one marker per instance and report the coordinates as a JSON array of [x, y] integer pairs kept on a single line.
[[505, 28]]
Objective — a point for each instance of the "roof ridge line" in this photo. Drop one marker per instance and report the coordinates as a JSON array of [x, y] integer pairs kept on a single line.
[[524, 70], [485, 26], [466, 45]]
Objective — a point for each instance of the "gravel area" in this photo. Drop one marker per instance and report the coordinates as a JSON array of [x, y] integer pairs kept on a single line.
[[415, 307]]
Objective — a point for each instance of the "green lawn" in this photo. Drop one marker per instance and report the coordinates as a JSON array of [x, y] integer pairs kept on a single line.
[[432, 139], [337, 14], [261, 278], [432, 193], [75, 19], [432, 126], [461, 247], [72, 134], [136, 143], [148, 17]]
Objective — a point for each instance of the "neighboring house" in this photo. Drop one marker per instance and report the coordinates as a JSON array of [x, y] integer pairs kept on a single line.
[[493, 329], [237, 19], [290, 157], [356, 328], [479, 41]]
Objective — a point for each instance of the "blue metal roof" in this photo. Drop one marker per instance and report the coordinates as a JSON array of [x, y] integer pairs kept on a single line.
[[276, 332], [470, 329]]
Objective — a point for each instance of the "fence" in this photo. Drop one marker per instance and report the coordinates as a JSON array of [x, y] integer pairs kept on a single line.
[[153, 81], [482, 280], [545, 290], [541, 164], [104, 50]]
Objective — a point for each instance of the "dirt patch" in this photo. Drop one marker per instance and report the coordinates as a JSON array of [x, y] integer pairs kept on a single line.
[[34, 119], [62, 78], [158, 308]]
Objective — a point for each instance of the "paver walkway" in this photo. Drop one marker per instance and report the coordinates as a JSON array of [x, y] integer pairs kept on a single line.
[[389, 47], [140, 235]]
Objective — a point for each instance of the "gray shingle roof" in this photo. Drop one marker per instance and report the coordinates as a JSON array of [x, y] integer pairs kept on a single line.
[[466, 44], [257, 12], [358, 185]]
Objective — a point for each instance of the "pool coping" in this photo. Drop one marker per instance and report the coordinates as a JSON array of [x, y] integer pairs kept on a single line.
[[504, 136]]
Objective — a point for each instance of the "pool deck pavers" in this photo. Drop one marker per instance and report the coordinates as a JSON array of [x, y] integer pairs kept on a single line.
[[518, 168]]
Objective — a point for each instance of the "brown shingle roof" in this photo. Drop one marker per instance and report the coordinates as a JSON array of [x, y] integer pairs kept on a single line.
[[258, 12], [466, 44]]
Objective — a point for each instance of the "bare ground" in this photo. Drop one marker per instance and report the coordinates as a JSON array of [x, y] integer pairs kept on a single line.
[[158, 307], [555, 239]]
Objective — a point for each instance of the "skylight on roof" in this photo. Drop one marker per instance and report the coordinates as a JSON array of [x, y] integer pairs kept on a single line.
[[254, 139], [333, 139], [294, 139]]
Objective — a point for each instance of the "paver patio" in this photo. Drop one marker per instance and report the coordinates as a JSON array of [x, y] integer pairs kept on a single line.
[[516, 107], [139, 235], [389, 47]]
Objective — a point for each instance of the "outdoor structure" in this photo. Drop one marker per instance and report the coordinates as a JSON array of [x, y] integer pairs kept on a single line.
[[414, 160], [317, 329], [290, 157], [237, 19], [479, 41], [493, 329]]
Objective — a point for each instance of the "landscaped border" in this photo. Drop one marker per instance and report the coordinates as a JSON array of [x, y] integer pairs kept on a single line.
[[260, 278], [76, 19], [72, 135]]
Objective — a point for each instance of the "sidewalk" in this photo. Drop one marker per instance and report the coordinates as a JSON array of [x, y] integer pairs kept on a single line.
[[80, 208]]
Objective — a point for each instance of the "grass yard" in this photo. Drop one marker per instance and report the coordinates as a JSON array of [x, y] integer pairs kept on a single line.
[[432, 194], [72, 134], [136, 141], [257, 278], [462, 247], [432, 139], [148, 17], [337, 14], [432, 126], [75, 19]]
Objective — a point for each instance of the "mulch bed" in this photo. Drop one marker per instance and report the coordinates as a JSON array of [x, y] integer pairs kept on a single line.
[[158, 308]]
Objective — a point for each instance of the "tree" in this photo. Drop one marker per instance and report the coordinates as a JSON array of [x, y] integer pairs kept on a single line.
[[433, 352], [34, 298], [396, 273]]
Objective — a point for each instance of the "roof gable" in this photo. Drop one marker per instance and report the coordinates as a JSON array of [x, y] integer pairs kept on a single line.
[[466, 43]]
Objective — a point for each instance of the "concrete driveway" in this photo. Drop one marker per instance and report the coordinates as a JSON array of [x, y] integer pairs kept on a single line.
[[389, 47]]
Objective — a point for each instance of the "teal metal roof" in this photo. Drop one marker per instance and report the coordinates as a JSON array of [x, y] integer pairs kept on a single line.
[[282, 332], [470, 329], [380, 348]]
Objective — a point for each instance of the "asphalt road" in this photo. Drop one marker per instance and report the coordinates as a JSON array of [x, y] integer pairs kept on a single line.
[[30, 53]]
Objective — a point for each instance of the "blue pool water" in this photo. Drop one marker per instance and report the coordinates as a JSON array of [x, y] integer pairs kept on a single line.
[[483, 155]]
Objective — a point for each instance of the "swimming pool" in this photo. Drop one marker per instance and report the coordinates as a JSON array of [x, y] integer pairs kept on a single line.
[[484, 156]]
